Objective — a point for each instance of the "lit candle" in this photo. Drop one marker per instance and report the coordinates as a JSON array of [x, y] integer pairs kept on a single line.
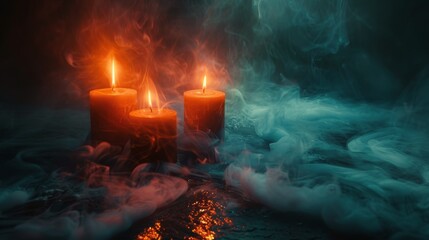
[[109, 109], [205, 111], [154, 134]]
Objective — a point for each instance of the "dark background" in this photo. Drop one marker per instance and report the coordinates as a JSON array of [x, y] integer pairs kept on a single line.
[[388, 35], [54, 52]]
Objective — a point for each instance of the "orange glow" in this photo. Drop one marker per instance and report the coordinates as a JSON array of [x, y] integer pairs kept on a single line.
[[151, 233], [205, 221], [149, 100], [204, 83], [207, 217], [113, 75]]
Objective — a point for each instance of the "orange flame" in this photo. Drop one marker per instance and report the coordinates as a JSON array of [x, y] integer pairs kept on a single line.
[[149, 100], [113, 75], [204, 83]]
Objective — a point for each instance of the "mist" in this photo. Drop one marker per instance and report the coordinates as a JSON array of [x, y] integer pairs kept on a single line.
[[326, 111]]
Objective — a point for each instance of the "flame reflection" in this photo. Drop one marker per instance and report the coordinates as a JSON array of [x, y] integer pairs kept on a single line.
[[205, 219], [151, 233]]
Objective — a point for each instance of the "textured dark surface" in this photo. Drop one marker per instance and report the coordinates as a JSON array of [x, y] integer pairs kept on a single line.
[[326, 118]]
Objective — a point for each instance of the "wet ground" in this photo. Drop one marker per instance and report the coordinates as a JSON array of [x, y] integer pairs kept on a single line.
[[208, 210], [43, 165], [211, 210]]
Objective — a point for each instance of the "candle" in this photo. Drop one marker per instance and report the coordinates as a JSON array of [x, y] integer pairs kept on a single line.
[[109, 109], [154, 134], [205, 111]]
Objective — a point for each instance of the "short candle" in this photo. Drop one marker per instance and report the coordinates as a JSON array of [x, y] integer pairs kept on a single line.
[[109, 109], [154, 135], [205, 111]]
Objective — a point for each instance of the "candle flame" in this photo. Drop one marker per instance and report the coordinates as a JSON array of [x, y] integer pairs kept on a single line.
[[204, 83], [113, 75], [149, 100]]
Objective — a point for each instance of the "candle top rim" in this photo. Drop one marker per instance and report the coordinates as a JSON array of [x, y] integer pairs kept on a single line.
[[155, 113], [116, 91], [207, 94]]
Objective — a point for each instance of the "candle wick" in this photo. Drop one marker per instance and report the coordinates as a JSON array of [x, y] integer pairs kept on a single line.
[[204, 90], [150, 109]]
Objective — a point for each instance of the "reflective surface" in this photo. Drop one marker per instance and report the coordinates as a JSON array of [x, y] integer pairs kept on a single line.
[[201, 216]]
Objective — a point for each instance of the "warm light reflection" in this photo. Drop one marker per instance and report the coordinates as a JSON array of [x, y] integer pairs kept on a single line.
[[204, 83], [151, 233], [113, 75], [207, 216], [202, 218]]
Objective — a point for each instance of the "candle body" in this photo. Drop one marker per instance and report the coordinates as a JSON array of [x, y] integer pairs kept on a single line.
[[154, 135], [205, 112], [109, 111]]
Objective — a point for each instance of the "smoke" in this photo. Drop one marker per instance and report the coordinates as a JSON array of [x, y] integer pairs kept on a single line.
[[122, 203], [326, 114], [358, 165], [157, 47], [55, 188]]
